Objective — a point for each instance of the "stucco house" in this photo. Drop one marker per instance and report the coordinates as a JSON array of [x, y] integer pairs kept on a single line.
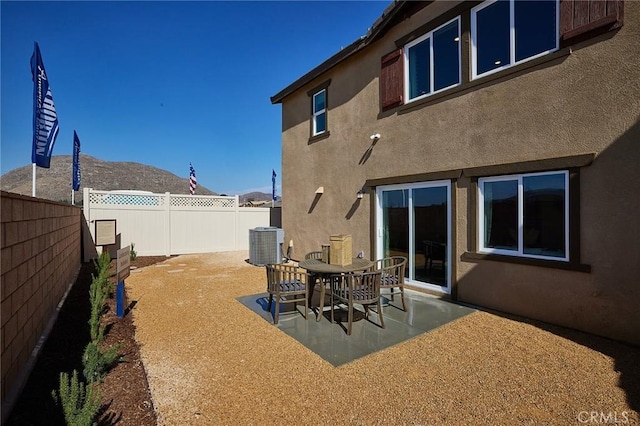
[[495, 144]]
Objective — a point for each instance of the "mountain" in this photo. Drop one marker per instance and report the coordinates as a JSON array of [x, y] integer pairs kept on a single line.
[[256, 196], [55, 183]]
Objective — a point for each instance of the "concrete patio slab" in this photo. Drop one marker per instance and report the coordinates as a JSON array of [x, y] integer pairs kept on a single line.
[[330, 341]]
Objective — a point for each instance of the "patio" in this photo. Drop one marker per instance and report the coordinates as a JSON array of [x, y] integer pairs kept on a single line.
[[330, 341], [212, 360]]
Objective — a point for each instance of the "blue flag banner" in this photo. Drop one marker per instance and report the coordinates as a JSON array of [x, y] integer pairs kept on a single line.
[[45, 119], [273, 184], [75, 178]]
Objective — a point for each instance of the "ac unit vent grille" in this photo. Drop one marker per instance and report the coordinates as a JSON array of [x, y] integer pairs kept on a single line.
[[265, 245]]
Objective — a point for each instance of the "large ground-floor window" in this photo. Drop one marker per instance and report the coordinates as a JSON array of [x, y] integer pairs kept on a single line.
[[525, 215]]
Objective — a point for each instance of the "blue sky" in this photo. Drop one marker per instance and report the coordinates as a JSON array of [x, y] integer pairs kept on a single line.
[[168, 83]]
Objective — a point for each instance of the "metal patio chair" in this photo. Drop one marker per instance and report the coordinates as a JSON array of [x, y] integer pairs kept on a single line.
[[362, 288], [323, 282], [392, 269], [288, 284]]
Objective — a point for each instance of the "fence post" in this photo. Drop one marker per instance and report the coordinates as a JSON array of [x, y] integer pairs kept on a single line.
[[86, 213], [167, 223], [86, 205], [235, 222]]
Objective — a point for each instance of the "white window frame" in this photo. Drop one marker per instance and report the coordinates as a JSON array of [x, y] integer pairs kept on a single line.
[[316, 114], [520, 252], [446, 289], [512, 39], [420, 39]]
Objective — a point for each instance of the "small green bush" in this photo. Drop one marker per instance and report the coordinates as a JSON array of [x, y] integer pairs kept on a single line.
[[98, 293], [100, 289], [80, 404], [133, 254], [97, 363], [104, 261]]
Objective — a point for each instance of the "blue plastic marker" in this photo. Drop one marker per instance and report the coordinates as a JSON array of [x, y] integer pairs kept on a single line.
[[120, 299]]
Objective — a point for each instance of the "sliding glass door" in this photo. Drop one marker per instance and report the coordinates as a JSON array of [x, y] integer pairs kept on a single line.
[[413, 220]]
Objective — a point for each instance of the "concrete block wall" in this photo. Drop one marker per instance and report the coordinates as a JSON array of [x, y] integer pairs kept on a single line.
[[41, 258]]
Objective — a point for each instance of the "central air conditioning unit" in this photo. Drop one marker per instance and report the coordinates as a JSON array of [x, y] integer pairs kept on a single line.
[[265, 245]]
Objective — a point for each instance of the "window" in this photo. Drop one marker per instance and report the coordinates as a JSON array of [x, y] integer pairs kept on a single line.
[[433, 61], [319, 112], [525, 215], [507, 32]]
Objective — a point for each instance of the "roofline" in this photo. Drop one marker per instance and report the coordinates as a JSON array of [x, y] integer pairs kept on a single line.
[[378, 28]]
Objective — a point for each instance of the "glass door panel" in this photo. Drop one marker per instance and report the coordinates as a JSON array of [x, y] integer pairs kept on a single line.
[[414, 222], [395, 223], [430, 234]]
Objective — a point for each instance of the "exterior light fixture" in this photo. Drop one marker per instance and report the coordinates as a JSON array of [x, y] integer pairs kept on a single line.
[[375, 137], [320, 190], [360, 194]]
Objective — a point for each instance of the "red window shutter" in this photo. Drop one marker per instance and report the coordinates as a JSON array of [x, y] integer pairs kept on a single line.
[[579, 17], [391, 80]]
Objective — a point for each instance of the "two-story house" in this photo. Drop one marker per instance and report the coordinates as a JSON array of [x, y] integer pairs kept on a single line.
[[495, 144]]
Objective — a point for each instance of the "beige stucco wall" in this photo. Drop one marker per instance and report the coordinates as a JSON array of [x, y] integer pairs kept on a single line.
[[585, 102], [41, 249]]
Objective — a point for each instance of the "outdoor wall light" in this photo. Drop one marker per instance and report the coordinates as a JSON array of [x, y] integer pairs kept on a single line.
[[320, 190], [375, 136], [360, 194]]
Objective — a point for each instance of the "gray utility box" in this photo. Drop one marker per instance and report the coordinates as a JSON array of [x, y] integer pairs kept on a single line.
[[265, 245]]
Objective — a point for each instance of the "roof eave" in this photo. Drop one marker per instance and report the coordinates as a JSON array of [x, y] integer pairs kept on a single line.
[[378, 28]]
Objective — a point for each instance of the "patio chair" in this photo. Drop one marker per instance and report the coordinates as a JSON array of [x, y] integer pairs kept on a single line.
[[313, 255], [434, 252], [323, 282], [392, 269], [362, 288], [288, 284]]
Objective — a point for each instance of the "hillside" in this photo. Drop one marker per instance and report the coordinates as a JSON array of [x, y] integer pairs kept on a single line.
[[55, 183]]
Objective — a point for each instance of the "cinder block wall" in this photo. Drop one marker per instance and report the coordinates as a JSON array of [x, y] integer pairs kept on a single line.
[[41, 257]]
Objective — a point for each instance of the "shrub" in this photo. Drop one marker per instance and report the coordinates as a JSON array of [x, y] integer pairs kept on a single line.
[[80, 404], [98, 292], [97, 363], [133, 254]]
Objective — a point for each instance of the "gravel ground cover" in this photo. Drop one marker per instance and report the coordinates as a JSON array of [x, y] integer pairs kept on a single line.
[[210, 360]]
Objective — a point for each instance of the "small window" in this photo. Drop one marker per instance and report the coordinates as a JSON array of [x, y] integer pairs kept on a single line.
[[320, 112], [433, 61], [525, 215], [507, 32]]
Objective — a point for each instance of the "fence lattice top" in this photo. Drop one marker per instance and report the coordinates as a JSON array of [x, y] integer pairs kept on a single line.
[[119, 199], [191, 201], [113, 198]]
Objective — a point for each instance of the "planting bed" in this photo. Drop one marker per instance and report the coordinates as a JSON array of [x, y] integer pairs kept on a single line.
[[125, 392]]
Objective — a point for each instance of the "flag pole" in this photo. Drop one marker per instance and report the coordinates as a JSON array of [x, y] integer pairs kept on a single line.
[[33, 181]]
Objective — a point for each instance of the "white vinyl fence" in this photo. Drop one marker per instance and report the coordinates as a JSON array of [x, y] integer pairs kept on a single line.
[[166, 224]]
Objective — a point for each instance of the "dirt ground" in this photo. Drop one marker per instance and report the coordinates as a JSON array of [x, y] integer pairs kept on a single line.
[[210, 360]]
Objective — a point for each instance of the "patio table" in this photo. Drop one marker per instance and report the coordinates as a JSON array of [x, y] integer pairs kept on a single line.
[[320, 269]]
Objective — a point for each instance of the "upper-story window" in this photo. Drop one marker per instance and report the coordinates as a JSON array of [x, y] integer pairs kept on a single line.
[[503, 33], [319, 112], [507, 32], [432, 61]]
